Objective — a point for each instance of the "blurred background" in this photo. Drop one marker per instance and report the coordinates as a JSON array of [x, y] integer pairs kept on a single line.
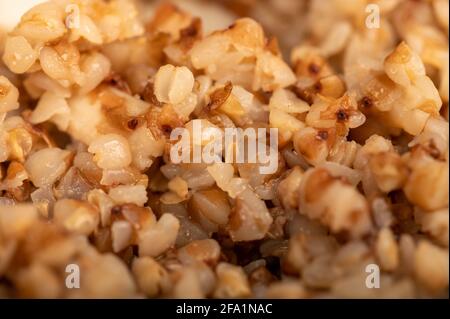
[[280, 18], [331, 26]]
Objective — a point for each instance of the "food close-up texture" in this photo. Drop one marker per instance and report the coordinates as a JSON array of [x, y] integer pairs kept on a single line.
[[357, 207]]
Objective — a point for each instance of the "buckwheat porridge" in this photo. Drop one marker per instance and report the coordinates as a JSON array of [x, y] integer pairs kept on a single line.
[[225, 149]]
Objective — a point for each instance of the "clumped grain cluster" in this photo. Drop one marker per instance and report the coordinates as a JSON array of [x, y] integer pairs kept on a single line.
[[86, 113]]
